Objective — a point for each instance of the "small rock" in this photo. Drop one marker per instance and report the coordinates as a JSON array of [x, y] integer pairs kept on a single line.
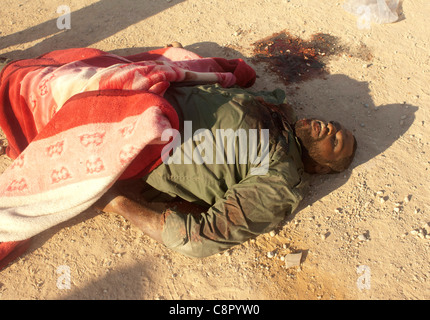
[[362, 237], [293, 259], [325, 235], [270, 255], [272, 233]]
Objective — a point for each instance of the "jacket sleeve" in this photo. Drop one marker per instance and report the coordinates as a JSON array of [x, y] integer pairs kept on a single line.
[[254, 206]]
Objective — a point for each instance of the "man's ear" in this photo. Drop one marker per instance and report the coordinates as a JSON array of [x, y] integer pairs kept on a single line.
[[313, 167]]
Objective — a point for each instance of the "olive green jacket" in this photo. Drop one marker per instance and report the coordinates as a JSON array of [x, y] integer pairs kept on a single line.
[[243, 202]]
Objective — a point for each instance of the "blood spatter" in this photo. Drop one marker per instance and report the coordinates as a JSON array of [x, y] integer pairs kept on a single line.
[[294, 59]]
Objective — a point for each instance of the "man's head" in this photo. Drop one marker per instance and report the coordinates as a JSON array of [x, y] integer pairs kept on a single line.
[[328, 147]]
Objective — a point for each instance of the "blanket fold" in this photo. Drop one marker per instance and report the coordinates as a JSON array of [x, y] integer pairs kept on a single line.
[[78, 120]]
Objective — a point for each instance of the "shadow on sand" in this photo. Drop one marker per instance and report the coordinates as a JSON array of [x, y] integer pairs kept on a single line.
[[101, 20]]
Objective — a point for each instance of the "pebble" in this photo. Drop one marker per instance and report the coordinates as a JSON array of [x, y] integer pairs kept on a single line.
[[272, 233], [325, 235], [362, 237], [270, 254], [421, 232], [293, 259]]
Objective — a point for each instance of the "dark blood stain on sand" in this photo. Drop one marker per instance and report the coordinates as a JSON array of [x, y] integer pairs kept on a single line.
[[294, 59]]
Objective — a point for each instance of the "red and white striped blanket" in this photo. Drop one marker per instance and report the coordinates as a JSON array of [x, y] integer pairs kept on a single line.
[[78, 120]]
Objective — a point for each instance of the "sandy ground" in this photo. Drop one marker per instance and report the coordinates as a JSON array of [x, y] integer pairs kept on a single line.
[[354, 245]]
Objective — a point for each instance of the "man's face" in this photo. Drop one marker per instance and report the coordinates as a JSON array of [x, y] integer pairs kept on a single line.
[[325, 142]]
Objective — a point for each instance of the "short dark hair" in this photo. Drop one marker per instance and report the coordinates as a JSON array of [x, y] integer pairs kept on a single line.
[[344, 163]]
